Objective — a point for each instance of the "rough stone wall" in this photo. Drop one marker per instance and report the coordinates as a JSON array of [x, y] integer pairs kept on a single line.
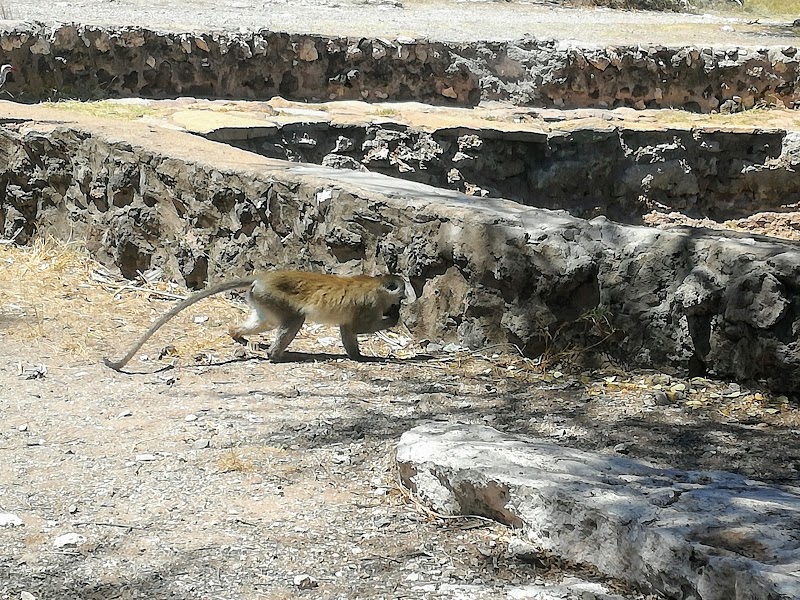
[[613, 171], [485, 271], [90, 62]]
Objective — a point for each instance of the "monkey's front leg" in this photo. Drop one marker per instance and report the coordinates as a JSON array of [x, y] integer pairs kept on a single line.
[[287, 330], [350, 342]]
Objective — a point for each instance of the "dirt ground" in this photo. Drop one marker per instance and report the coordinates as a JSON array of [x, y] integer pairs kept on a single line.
[[227, 476]]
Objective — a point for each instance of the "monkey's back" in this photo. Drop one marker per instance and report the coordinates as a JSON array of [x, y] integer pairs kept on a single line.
[[323, 298]]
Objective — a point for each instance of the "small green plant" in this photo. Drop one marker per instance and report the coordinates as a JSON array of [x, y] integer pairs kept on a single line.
[[105, 108]]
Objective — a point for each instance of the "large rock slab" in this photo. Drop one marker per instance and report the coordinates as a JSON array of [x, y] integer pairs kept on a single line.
[[688, 535], [485, 271], [86, 61]]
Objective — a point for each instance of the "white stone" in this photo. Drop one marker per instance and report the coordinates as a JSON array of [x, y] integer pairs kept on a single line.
[[68, 540], [10, 520], [305, 582], [146, 457]]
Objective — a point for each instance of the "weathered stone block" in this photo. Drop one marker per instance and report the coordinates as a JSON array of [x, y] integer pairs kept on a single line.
[[685, 534], [132, 61]]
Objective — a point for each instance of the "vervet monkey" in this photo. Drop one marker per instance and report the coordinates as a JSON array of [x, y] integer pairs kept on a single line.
[[285, 299]]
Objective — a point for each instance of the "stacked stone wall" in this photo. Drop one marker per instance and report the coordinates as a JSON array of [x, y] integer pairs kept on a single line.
[[69, 60]]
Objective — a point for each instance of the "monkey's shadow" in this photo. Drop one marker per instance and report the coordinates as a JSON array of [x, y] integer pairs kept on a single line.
[[288, 357]]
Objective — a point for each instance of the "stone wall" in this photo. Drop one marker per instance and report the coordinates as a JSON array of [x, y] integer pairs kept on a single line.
[[90, 62], [485, 271], [609, 170]]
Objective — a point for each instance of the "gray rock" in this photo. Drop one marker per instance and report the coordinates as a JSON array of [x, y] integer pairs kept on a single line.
[[684, 534], [305, 582], [336, 161]]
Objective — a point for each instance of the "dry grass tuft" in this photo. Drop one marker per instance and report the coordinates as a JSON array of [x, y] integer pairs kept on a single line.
[[264, 459], [52, 293], [772, 7], [232, 461]]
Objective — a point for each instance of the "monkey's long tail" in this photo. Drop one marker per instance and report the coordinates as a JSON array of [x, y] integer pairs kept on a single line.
[[231, 284]]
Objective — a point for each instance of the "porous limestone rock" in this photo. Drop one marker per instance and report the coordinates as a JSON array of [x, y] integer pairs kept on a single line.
[[685, 534], [618, 171]]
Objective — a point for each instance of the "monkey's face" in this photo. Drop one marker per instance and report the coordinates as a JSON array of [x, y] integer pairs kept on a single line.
[[391, 316], [394, 291]]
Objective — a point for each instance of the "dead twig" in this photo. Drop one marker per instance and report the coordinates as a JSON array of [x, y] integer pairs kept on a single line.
[[149, 292], [109, 524]]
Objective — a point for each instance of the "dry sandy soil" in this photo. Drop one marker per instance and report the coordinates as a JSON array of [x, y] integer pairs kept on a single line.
[[444, 20]]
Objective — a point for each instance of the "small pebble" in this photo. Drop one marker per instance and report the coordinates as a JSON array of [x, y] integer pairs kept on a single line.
[[10, 520], [201, 444], [68, 540], [661, 399], [305, 582]]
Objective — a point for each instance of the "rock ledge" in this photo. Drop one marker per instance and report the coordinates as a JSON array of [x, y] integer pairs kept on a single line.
[[686, 534]]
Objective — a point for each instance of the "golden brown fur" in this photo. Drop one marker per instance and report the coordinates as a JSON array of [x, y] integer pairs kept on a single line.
[[285, 299]]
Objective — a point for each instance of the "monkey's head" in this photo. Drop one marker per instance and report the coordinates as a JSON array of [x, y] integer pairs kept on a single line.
[[394, 292]]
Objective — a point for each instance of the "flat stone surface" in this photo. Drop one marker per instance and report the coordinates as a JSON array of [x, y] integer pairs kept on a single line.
[[447, 21], [198, 115], [687, 534]]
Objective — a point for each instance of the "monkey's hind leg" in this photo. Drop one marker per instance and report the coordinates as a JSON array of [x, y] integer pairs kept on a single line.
[[287, 330], [255, 323]]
